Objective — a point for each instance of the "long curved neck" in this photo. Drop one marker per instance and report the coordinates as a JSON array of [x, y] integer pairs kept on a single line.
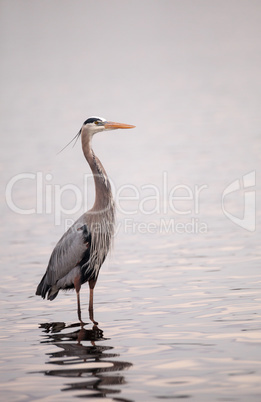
[[103, 194]]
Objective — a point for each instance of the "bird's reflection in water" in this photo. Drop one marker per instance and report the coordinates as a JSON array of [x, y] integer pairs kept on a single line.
[[94, 364]]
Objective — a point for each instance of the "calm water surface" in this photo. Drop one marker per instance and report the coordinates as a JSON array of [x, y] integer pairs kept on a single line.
[[178, 301], [178, 318]]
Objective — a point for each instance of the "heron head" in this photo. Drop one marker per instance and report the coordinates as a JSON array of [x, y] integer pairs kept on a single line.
[[95, 124]]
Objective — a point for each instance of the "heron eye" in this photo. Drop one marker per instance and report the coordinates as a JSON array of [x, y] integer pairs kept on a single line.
[[96, 122]]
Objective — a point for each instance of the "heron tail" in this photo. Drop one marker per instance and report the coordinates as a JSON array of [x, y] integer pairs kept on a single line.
[[44, 287], [53, 292]]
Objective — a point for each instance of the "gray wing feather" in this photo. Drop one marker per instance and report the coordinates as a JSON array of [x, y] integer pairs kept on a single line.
[[67, 253]]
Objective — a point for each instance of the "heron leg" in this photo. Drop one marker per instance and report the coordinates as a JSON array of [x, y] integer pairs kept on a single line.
[[77, 285], [92, 284]]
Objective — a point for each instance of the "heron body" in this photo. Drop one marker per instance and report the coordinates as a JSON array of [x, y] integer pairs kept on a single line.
[[80, 253]]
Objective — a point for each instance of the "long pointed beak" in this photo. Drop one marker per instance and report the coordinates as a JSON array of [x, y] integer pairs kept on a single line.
[[110, 125]]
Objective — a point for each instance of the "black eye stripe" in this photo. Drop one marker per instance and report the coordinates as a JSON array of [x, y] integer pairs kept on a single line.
[[91, 120]]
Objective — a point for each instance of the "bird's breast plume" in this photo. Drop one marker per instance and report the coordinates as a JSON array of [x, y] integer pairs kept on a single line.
[[74, 138]]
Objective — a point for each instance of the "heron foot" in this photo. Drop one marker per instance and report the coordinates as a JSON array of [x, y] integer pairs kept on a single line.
[[94, 322]]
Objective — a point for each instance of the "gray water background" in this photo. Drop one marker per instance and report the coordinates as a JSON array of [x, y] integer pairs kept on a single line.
[[179, 306]]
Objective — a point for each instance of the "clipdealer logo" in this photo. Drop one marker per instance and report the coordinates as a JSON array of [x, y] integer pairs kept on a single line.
[[248, 221], [176, 209]]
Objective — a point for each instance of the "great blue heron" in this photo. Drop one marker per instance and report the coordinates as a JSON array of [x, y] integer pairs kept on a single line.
[[79, 254]]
